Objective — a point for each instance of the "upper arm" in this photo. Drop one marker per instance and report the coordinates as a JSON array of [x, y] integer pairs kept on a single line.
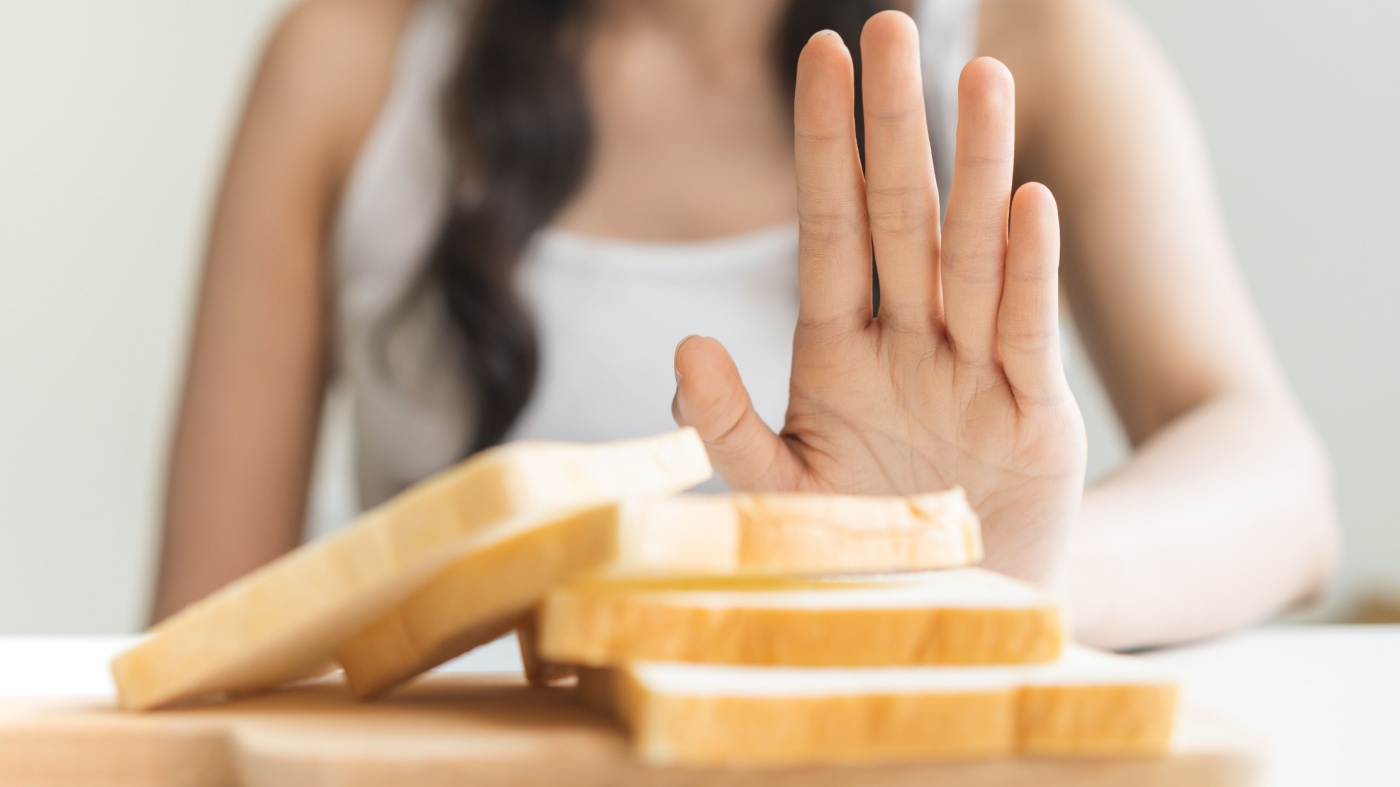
[[1148, 269], [315, 95], [245, 437]]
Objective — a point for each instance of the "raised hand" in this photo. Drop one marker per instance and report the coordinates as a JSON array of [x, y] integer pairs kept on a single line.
[[958, 380]]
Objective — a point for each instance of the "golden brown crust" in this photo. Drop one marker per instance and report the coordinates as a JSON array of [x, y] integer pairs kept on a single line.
[[599, 625]]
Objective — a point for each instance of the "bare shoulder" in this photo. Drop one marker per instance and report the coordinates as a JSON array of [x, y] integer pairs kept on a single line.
[[327, 69], [1075, 55], [1032, 30]]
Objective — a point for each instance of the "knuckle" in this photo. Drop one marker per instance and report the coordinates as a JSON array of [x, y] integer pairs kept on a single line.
[[906, 330], [988, 159], [978, 273], [1035, 277], [1033, 342], [819, 331], [822, 137], [977, 227], [1025, 334], [823, 221], [901, 207], [896, 114]]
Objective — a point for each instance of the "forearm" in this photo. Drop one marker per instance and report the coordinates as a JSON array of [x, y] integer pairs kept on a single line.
[[246, 437], [1221, 519], [233, 503]]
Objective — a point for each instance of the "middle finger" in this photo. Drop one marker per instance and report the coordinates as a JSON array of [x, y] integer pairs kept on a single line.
[[901, 194]]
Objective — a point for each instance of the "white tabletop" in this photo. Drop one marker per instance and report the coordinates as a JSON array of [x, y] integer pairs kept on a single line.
[[1325, 699]]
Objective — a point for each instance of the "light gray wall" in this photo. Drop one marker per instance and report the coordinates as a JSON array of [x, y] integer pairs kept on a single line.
[[114, 117], [114, 121], [1300, 102]]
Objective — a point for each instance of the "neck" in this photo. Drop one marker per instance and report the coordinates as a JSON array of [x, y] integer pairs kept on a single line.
[[711, 30]]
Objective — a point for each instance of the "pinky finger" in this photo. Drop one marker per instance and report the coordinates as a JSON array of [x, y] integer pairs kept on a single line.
[[1028, 322]]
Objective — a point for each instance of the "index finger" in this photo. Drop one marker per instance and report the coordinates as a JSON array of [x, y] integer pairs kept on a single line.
[[835, 282]]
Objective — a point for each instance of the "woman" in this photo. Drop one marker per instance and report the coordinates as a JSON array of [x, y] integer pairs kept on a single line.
[[614, 175]]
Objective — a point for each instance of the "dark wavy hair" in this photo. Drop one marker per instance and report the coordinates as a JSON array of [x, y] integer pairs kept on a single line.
[[521, 137]]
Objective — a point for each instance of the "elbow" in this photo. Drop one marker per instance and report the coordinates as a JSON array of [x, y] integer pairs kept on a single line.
[[1305, 487], [1302, 502], [1321, 521]]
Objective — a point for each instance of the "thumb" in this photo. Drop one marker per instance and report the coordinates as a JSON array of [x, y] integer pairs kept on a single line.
[[711, 398]]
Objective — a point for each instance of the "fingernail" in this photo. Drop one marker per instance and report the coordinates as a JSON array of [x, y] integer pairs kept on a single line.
[[827, 32], [675, 367]]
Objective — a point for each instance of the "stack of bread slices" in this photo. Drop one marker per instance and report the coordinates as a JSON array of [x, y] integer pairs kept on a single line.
[[720, 629]]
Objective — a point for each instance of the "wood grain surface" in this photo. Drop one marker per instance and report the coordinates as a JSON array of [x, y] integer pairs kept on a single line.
[[484, 731]]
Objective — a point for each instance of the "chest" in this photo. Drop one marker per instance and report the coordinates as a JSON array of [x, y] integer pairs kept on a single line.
[[682, 149], [609, 314]]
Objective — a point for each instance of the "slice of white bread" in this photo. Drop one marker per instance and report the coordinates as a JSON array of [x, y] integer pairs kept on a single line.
[[286, 620], [958, 616], [474, 599], [804, 533], [539, 671], [1085, 704]]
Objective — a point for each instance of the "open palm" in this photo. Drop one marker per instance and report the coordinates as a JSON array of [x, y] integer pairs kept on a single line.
[[958, 379]]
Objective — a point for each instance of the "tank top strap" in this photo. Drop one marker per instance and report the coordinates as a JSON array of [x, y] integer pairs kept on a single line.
[[403, 164], [410, 402]]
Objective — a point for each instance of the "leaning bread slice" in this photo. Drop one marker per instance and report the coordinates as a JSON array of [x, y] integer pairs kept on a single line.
[[1085, 704], [958, 616], [286, 620], [468, 603]]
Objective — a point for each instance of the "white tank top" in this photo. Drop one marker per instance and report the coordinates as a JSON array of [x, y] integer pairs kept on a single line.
[[609, 312]]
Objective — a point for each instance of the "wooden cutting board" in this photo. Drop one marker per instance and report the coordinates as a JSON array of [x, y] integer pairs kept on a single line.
[[484, 731]]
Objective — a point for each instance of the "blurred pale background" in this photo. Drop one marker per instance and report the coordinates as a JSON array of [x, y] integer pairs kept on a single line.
[[114, 118]]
